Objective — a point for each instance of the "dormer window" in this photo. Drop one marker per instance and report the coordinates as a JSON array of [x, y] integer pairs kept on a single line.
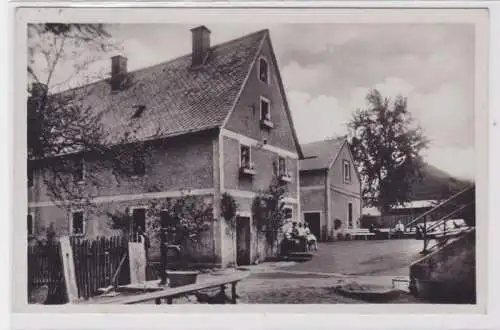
[[265, 113], [139, 109], [283, 173], [246, 165], [346, 169], [263, 70]]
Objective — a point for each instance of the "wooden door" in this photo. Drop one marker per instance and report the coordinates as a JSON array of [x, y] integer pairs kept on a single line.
[[313, 220], [243, 240]]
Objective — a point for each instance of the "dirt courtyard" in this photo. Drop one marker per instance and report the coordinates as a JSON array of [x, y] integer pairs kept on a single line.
[[365, 262], [372, 257]]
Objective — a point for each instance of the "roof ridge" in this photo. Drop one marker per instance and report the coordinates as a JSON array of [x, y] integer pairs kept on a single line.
[[339, 138], [225, 43]]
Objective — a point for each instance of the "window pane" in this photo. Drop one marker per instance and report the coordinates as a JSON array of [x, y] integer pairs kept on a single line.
[[30, 224], [139, 216], [282, 165], [78, 223], [245, 156], [263, 70], [265, 114]]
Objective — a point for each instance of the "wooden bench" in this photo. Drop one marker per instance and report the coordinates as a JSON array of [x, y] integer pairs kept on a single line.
[[169, 293], [358, 232]]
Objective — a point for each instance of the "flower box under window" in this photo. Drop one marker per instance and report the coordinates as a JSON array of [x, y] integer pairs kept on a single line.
[[264, 123], [248, 170], [286, 177]]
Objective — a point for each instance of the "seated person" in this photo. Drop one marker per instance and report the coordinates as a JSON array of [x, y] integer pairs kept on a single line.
[[302, 236], [312, 242]]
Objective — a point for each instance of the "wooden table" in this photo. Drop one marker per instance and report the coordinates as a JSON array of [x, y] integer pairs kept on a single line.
[[169, 293]]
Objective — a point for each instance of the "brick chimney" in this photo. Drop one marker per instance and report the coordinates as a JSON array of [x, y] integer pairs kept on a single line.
[[201, 44], [118, 71]]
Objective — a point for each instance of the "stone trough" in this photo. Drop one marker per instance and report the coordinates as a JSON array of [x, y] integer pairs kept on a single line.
[[370, 293]]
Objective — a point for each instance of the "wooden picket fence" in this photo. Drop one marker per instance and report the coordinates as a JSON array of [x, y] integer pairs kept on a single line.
[[45, 269], [96, 263]]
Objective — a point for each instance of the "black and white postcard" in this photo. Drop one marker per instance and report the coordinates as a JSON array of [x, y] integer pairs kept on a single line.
[[175, 159]]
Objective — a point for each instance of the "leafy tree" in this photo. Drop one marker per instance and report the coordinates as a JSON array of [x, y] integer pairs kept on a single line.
[[386, 144]]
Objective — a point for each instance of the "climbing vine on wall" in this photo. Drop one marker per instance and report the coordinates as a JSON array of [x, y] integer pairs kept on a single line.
[[268, 209], [229, 208]]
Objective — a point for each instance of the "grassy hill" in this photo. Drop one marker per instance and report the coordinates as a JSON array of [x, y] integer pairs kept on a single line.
[[437, 184]]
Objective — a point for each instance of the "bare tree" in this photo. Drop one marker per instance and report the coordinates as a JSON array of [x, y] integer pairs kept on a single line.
[[63, 130]]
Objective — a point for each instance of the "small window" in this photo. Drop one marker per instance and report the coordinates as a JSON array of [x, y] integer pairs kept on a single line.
[[288, 210], [349, 214], [347, 171], [139, 218], [282, 168], [265, 110], [139, 109], [30, 175], [30, 224], [263, 70], [138, 164], [77, 223], [245, 157], [78, 170]]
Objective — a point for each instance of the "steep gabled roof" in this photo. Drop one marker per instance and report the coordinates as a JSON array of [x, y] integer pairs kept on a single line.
[[320, 155], [173, 97]]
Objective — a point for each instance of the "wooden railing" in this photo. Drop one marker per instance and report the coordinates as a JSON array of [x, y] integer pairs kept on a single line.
[[459, 198], [439, 215]]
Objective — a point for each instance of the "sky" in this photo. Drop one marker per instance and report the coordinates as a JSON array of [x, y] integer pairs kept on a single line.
[[327, 70]]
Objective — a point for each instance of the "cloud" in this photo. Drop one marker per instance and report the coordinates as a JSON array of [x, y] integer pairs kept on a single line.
[[317, 118], [298, 77]]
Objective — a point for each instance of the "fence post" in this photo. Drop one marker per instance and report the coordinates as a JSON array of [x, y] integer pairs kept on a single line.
[[68, 269], [137, 262]]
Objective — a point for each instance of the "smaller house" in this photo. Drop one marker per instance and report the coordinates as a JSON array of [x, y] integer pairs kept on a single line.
[[330, 188], [404, 213]]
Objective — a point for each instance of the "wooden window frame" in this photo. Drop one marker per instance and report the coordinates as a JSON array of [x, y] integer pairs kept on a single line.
[[250, 169], [71, 222], [268, 78], [346, 171], [265, 122], [32, 214]]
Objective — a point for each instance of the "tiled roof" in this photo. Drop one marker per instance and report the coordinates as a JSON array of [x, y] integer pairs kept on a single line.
[[320, 154], [176, 97]]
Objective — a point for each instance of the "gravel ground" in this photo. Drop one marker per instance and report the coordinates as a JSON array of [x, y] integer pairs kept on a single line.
[[372, 257], [292, 289]]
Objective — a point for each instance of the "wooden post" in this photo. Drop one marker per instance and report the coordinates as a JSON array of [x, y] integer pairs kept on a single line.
[[68, 269], [137, 258], [233, 293], [163, 257]]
